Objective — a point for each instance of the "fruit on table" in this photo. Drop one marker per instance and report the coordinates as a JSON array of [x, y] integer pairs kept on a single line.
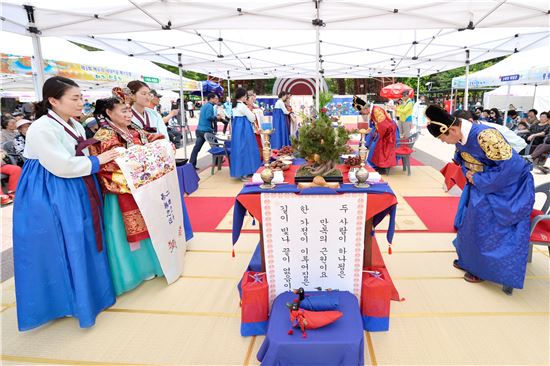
[[285, 150], [279, 165], [353, 161]]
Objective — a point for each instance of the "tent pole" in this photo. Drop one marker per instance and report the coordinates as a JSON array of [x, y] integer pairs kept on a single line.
[[465, 105], [229, 95], [317, 55], [228, 85], [184, 126], [317, 86], [202, 94], [534, 95], [451, 104], [506, 105], [418, 86], [37, 59]]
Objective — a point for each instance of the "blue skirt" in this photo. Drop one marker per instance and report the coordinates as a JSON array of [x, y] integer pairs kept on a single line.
[[245, 156], [58, 270], [281, 136]]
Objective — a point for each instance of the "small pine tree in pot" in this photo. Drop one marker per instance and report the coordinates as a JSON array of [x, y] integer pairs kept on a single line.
[[320, 143]]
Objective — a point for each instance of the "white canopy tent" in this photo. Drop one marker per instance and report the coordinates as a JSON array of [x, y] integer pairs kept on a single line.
[[344, 54], [523, 97], [527, 67], [72, 17], [446, 32]]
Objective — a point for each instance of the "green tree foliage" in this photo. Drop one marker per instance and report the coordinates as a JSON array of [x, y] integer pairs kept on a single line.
[[443, 79], [320, 143], [186, 73]]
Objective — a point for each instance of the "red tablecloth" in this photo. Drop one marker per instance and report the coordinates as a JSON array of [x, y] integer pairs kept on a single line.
[[376, 202]]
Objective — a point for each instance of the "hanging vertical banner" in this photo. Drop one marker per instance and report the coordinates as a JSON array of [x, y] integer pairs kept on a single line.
[[152, 178], [313, 241]]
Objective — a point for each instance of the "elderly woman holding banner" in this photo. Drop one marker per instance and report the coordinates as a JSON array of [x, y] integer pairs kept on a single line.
[[131, 254]]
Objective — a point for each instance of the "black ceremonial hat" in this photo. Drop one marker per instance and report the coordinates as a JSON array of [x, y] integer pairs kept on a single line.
[[439, 120], [358, 103]]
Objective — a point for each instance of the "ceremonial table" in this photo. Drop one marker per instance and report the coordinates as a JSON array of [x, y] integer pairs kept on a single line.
[[381, 202], [339, 343]]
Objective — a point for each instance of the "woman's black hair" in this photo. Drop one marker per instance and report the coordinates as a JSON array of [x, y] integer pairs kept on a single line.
[[497, 112], [103, 105], [135, 85], [6, 120], [282, 94], [55, 87], [239, 93]]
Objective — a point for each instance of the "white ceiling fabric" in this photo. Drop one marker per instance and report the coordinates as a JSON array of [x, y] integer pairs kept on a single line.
[[73, 17], [276, 38]]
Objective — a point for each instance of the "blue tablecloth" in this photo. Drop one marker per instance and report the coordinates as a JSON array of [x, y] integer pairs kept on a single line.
[[186, 221], [239, 211], [188, 178], [339, 343]]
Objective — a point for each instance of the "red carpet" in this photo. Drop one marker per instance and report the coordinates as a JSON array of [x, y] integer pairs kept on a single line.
[[437, 213], [414, 162], [206, 213]]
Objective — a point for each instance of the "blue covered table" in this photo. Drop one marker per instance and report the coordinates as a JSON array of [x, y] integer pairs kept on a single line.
[[188, 178], [339, 343]]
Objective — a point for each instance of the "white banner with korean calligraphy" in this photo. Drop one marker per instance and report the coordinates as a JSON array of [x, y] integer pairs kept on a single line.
[[313, 241], [150, 172]]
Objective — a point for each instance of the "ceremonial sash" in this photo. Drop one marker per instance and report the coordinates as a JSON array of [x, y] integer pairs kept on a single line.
[[145, 123], [89, 182]]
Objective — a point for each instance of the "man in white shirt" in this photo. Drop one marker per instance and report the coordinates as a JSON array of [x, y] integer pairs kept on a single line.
[[190, 109]]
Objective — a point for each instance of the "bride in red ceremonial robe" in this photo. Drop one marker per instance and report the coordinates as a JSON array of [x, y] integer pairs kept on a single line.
[[132, 257], [383, 155]]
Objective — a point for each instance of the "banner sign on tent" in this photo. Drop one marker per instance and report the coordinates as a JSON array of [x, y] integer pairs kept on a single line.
[[151, 79], [313, 241], [22, 65], [509, 77], [341, 107]]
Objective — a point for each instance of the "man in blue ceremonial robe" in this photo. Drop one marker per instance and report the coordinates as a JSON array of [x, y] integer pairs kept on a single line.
[[492, 221]]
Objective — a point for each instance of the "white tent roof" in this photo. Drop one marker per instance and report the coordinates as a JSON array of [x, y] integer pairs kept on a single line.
[[73, 17], [345, 54], [529, 67], [523, 97], [57, 49], [359, 39]]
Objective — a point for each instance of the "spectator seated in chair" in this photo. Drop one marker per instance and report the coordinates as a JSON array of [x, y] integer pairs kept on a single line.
[[10, 172]]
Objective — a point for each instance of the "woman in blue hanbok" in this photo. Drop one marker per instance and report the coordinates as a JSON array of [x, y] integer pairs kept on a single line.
[[60, 262], [281, 135], [245, 157], [493, 221]]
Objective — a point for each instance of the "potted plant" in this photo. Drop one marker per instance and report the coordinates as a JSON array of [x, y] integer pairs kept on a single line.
[[321, 145]]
